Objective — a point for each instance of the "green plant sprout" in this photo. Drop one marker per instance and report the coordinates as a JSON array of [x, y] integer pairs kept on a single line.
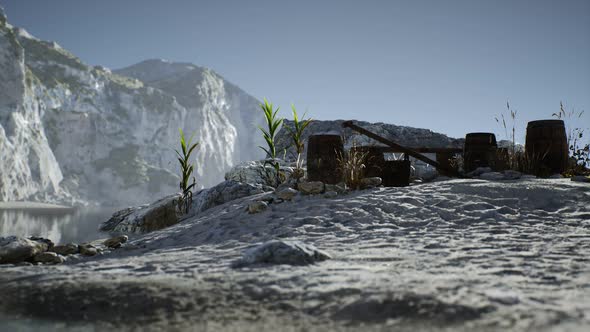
[[297, 135], [273, 123], [187, 147]]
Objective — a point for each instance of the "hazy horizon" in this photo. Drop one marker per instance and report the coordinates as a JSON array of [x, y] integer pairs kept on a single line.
[[447, 67]]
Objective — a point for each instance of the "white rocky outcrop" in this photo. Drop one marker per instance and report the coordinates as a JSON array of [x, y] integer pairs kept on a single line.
[[69, 130], [164, 213], [259, 172]]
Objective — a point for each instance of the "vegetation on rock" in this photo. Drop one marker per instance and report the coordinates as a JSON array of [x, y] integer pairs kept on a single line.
[[296, 134], [186, 198], [273, 123]]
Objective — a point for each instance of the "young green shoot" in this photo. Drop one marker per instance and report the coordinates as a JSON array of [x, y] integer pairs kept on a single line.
[[186, 168]]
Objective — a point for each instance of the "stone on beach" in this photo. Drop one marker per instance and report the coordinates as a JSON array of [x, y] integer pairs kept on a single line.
[[258, 172], [145, 218], [286, 193], [479, 171], [330, 194], [15, 249], [312, 187], [580, 178], [512, 175], [163, 213], [492, 176], [66, 249], [87, 249], [339, 188], [282, 252], [115, 242], [257, 206], [371, 182], [49, 257]]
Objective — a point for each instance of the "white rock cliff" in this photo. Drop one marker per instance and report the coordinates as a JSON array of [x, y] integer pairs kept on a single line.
[[68, 130]]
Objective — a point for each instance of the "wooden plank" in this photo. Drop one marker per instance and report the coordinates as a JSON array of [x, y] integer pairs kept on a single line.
[[415, 154], [389, 149]]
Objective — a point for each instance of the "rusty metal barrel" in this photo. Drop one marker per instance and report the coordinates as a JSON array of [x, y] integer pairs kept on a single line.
[[546, 146], [323, 151], [479, 151], [374, 160]]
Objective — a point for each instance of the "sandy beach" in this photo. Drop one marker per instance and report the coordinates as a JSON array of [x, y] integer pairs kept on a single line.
[[450, 255]]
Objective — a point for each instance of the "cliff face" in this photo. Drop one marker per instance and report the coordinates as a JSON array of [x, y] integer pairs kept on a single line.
[[70, 131], [27, 164]]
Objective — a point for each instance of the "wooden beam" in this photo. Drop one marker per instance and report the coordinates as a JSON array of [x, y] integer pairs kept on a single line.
[[400, 148], [389, 149]]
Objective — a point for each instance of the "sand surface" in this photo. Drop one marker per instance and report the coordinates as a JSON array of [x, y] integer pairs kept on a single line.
[[445, 256]]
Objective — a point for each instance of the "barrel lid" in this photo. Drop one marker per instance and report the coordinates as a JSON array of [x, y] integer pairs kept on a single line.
[[326, 133], [545, 123], [479, 134]]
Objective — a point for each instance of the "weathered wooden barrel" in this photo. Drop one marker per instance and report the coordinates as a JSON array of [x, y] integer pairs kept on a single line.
[[444, 159], [396, 173], [546, 146], [502, 159], [323, 150], [374, 160], [479, 151]]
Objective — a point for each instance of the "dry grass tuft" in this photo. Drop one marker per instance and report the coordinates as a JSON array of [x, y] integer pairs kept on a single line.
[[352, 165]]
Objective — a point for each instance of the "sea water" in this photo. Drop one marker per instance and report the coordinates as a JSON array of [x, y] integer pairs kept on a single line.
[[59, 225]]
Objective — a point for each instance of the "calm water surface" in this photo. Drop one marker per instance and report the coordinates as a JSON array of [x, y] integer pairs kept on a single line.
[[79, 225]]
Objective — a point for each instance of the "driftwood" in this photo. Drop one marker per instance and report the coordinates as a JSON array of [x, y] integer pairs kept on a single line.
[[400, 148]]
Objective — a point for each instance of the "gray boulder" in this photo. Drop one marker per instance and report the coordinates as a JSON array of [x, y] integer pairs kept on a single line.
[[312, 187], [282, 252], [163, 213], [115, 242], [144, 218], [224, 192], [512, 175], [66, 249], [330, 194], [87, 249], [371, 182], [492, 176], [581, 178], [257, 172], [339, 188], [286, 193], [49, 257], [15, 249], [257, 206], [479, 171]]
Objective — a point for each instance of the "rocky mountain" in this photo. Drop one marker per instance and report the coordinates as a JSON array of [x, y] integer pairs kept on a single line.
[[406, 136], [69, 131]]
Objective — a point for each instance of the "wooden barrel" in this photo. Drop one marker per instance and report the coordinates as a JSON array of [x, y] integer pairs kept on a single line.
[[396, 173], [322, 153], [374, 160], [502, 159], [444, 159], [546, 146], [479, 151]]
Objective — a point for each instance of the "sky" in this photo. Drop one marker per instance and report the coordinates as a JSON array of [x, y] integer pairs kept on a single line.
[[449, 66]]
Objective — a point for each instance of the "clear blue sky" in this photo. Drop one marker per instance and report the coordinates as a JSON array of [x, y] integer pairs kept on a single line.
[[449, 66]]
